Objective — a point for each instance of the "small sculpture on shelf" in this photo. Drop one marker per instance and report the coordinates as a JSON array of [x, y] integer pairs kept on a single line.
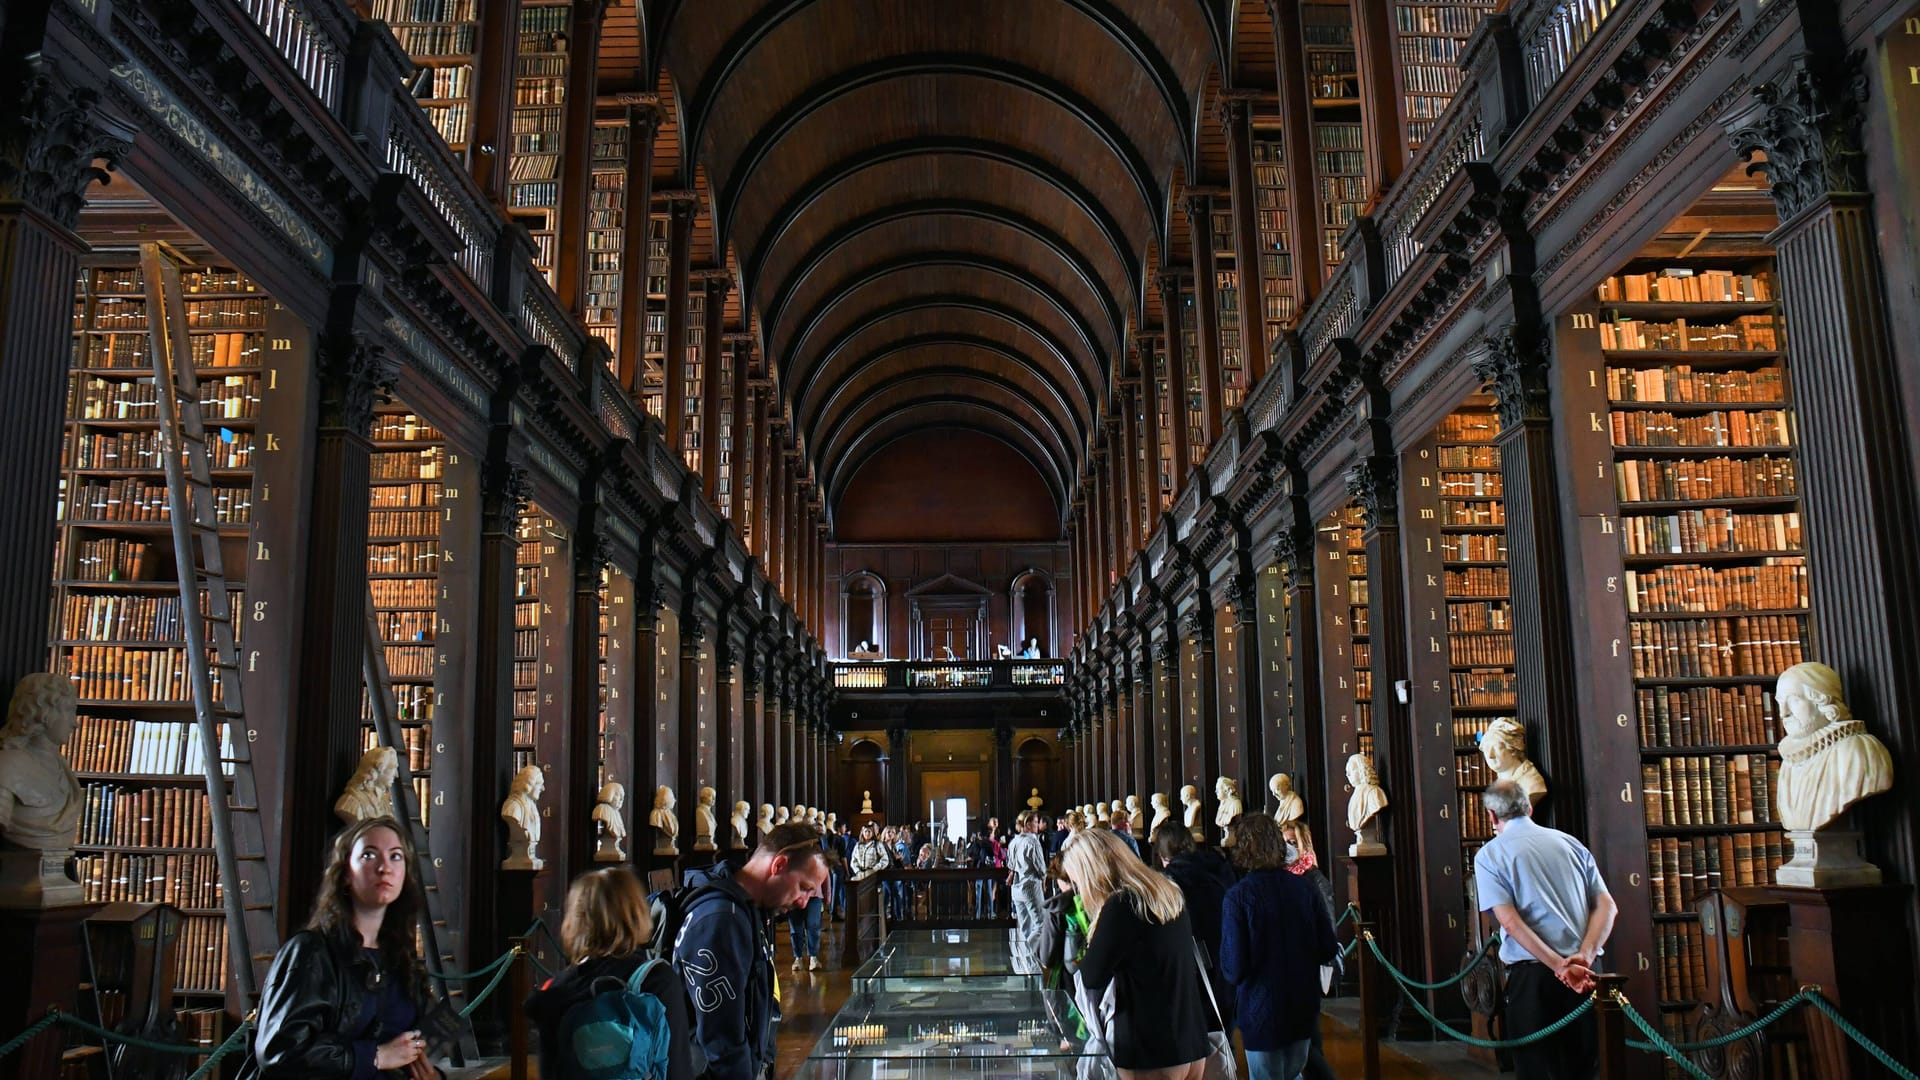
[[1227, 790], [1288, 805], [1034, 801], [742, 832], [704, 823], [369, 792], [764, 823], [1828, 762], [610, 823], [1504, 745], [782, 815], [521, 812], [1161, 811], [666, 827], [1102, 814], [40, 800], [1363, 809], [1140, 830], [1190, 799], [832, 824], [866, 802]]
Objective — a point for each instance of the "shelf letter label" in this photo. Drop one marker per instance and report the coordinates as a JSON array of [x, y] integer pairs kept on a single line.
[[1583, 320]]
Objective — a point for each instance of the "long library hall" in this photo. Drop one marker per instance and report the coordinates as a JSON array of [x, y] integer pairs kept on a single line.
[[1412, 502]]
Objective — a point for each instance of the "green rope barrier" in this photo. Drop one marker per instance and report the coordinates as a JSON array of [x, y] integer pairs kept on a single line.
[[1401, 977], [1658, 1040], [234, 1042], [99, 1032], [453, 976], [486, 993], [1348, 951], [38, 1026], [1819, 1001], [542, 968], [1732, 1037], [1347, 915], [1444, 1028]]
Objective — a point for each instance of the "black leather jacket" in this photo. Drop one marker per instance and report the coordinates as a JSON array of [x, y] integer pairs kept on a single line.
[[315, 996]]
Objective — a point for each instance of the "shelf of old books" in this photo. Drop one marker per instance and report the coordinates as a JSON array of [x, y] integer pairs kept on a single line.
[[724, 436], [606, 230], [408, 467], [1479, 615], [145, 833], [539, 125], [528, 622], [1162, 388], [441, 37], [1193, 403], [1352, 524], [1226, 302], [1430, 38], [1278, 299], [1333, 92], [654, 345], [692, 369], [1699, 416]]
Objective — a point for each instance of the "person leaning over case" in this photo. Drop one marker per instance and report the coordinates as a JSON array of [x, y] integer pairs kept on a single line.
[[1555, 914], [348, 996]]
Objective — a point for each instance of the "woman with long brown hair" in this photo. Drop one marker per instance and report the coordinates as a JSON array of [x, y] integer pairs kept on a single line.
[[348, 995], [1140, 943]]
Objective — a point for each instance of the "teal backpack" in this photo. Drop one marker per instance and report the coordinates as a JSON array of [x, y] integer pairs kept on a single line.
[[619, 1033]]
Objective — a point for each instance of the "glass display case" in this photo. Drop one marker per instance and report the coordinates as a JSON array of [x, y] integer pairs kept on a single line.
[[919, 955]]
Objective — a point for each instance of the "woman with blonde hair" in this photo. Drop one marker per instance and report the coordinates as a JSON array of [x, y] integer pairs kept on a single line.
[[1141, 945], [605, 928]]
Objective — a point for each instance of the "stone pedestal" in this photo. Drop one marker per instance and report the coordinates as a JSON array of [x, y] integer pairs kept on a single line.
[[31, 878], [53, 938], [1826, 859], [1370, 884], [1850, 942]]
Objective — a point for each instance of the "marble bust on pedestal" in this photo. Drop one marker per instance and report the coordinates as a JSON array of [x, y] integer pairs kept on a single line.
[[612, 827], [521, 812], [764, 823], [1363, 809], [40, 800], [742, 832], [1190, 799], [1161, 811], [704, 822], [1828, 762], [866, 802], [369, 792], [1287, 803], [666, 827], [1504, 745]]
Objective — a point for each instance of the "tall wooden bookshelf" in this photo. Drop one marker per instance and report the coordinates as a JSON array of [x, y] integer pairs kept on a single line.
[[539, 125], [1226, 294], [692, 369], [441, 36], [1273, 610], [654, 347], [145, 832], [1279, 300], [403, 572], [606, 230], [528, 625], [1192, 405], [1162, 388], [1430, 39], [724, 438], [1332, 71], [1354, 551]]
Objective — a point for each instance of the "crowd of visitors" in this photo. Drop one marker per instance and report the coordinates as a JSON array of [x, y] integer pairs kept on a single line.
[[1166, 953]]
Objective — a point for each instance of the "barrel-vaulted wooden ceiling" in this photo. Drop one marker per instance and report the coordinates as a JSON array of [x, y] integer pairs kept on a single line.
[[943, 213]]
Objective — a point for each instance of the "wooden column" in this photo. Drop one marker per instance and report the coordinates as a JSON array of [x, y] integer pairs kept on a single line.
[[324, 732], [494, 59], [1293, 557], [773, 780], [1168, 713], [898, 759], [1134, 518], [674, 366], [753, 745], [776, 510], [1206, 314], [1199, 722], [1248, 756], [687, 778], [762, 524], [718, 285], [577, 784], [1296, 138], [1236, 116], [726, 786], [1140, 733], [643, 118], [1386, 143], [1150, 433], [1100, 500], [576, 167], [1176, 382]]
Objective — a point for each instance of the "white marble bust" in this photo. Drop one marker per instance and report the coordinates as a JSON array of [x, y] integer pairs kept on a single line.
[[1034, 801], [1363, 809], [1227, 790], [1140, 830], [521, 812], [40, 800], [1504, 745], [742, 832], [610, 823], [369, 792], [782, 815], [831, 824], [666, 827], [1288, 805], [1161, 811], [764, 823], [1102, 814], [866, 802], [1828, 760], [704, 822], [1190, 799]]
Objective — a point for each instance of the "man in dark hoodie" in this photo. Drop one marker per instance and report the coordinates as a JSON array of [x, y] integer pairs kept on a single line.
[[1204, 876], [725, 953]]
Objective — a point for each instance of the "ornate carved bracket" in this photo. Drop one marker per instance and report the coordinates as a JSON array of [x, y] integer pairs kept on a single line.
[[355, 374], [1374, 483], [1809, 126], [47, 154], [1516, 371], [505, 490]]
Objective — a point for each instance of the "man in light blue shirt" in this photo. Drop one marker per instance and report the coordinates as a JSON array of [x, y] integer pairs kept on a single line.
[[1555, 914]]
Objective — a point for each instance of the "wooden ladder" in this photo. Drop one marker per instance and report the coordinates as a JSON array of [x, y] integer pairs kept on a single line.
[[207, 618]]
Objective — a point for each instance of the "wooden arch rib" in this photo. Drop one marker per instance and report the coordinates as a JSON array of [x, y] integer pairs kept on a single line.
[[978, 209], [809, 415], [745, 169], [951, 385], [957, 378], [1113, 22], [846, 289], [879, 433]]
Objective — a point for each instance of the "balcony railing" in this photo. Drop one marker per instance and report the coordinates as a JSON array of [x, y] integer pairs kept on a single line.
[[949, 676]]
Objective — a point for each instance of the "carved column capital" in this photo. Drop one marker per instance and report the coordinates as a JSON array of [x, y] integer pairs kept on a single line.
[[1198, 625], [1514, 367], [1293, 553], [1243, 589], [1166, 650], [1374, 483], [355, 375], [1234, 112], [693, 630], [1808, 123], [47, 154], [505, 490]]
